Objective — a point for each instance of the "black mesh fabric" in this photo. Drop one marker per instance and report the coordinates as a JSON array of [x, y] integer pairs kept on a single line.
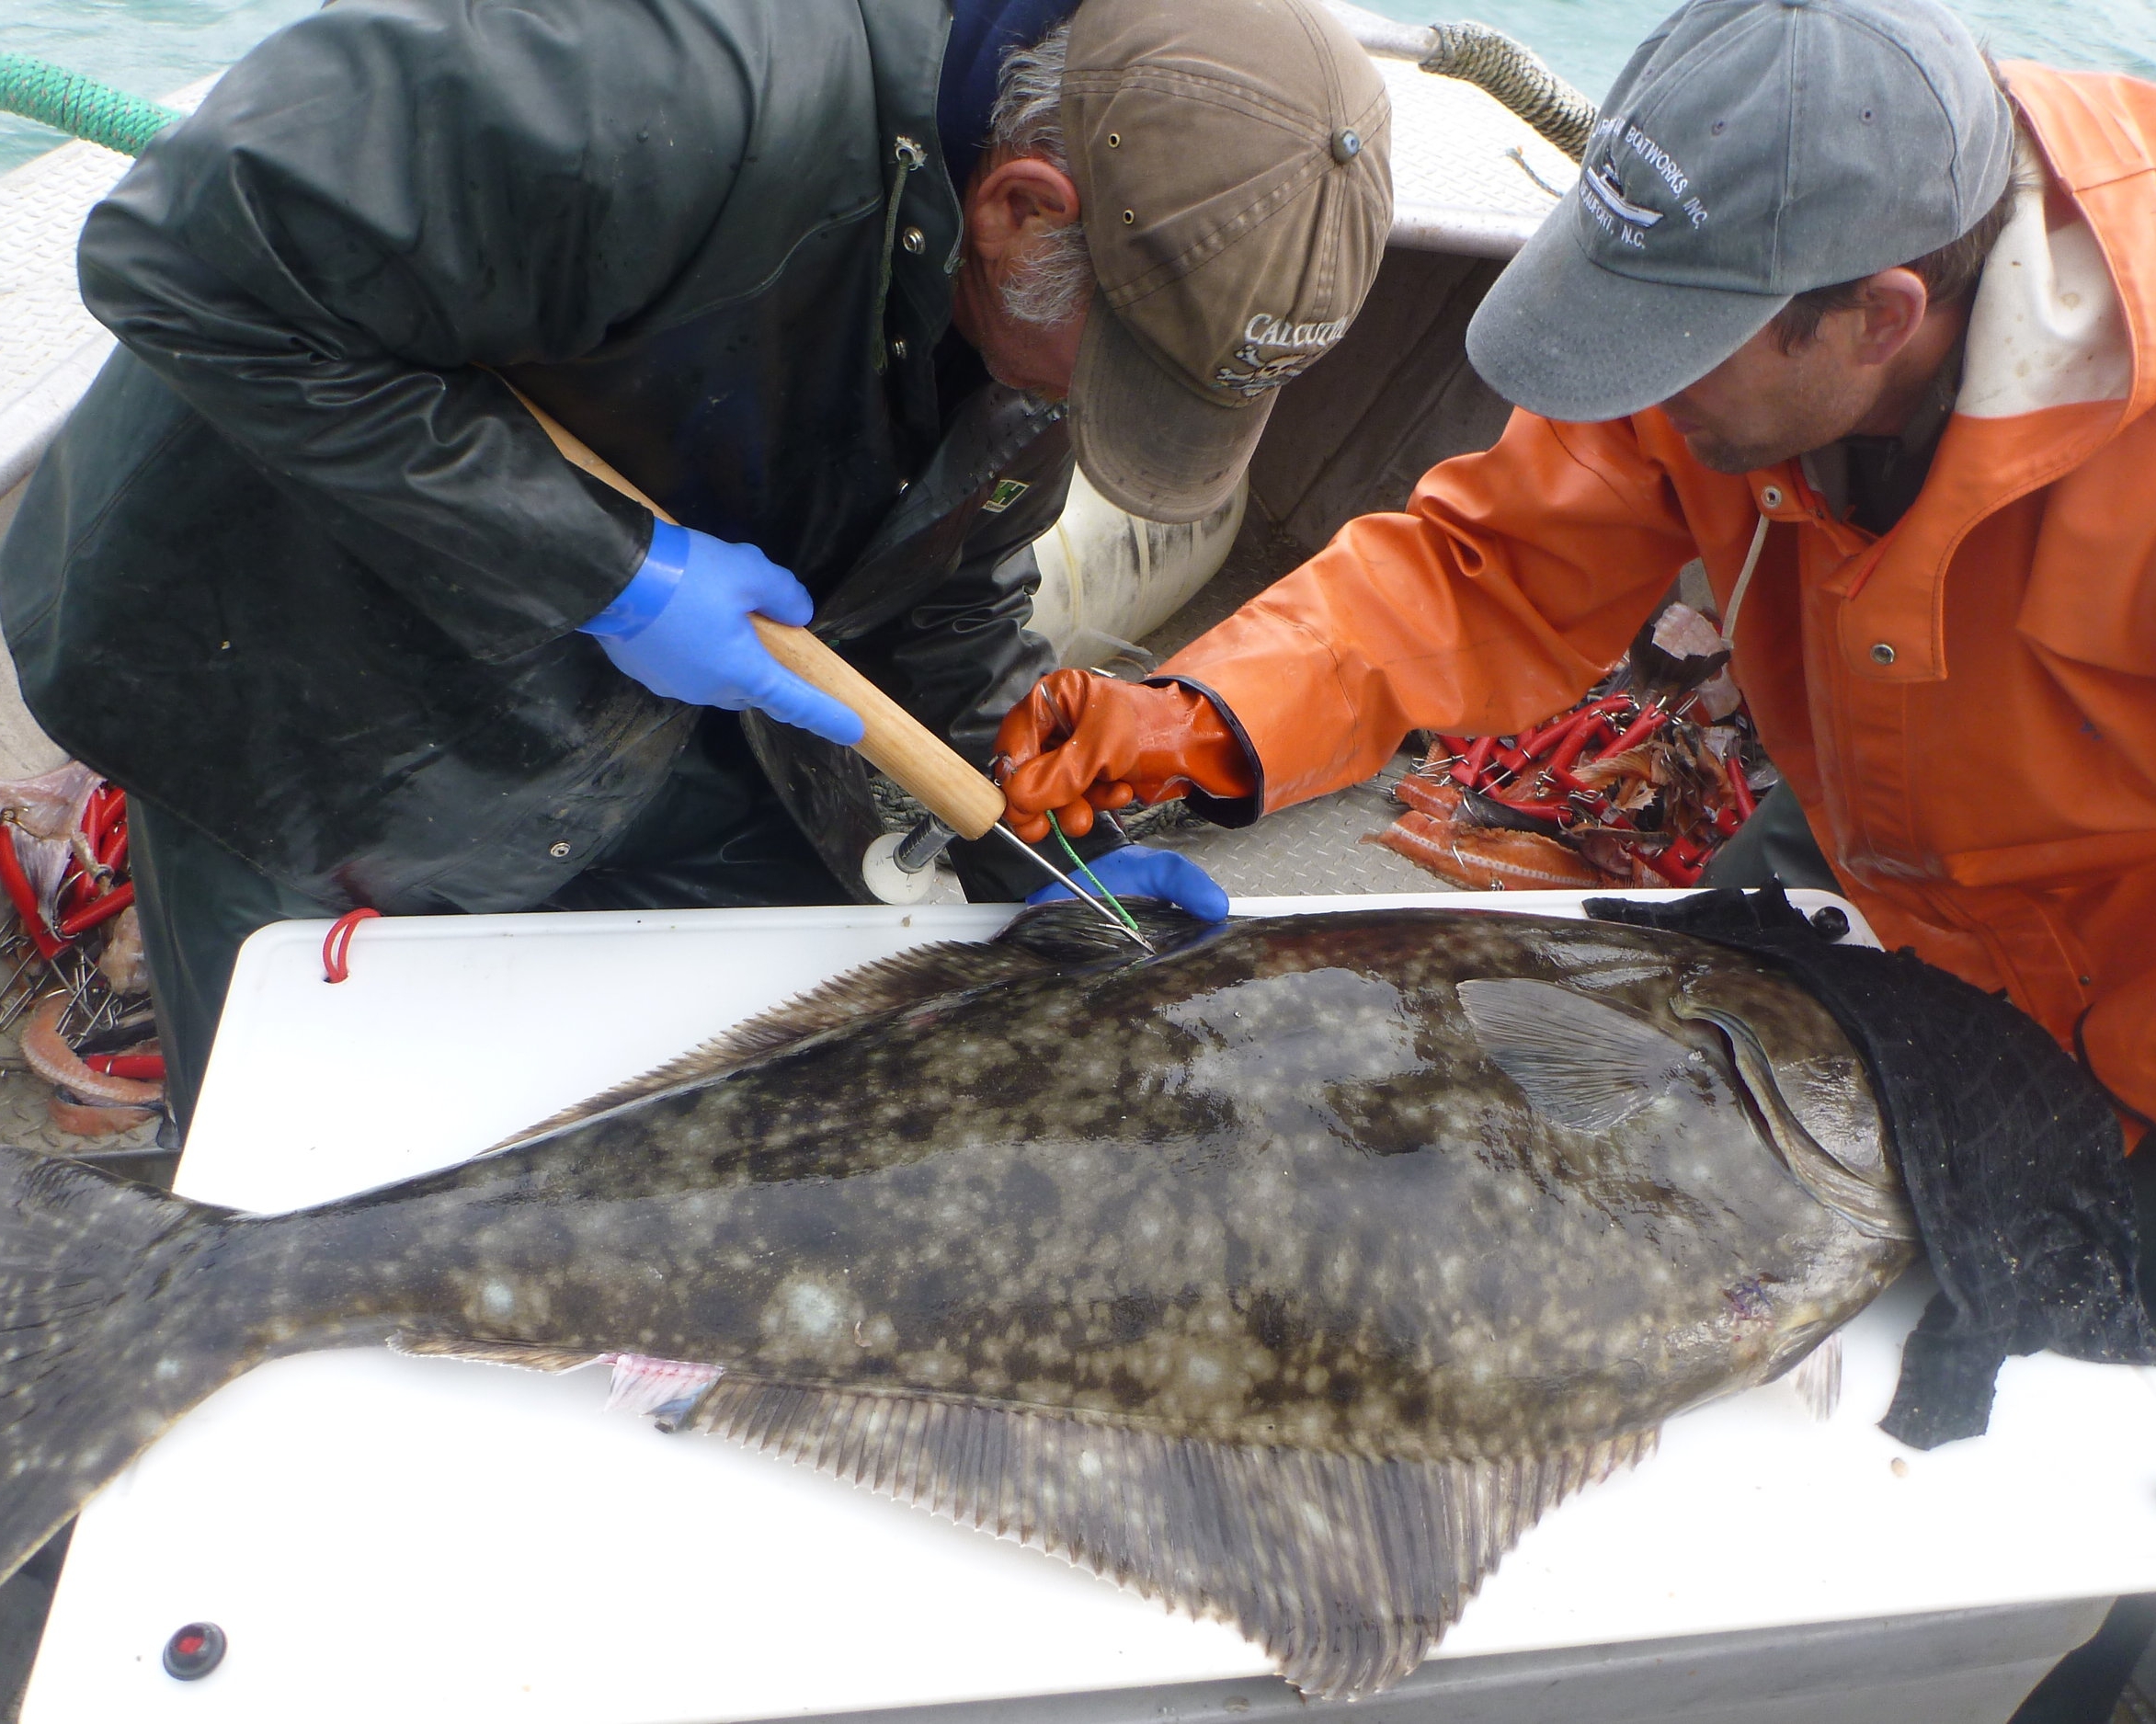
[[2012, 1157]]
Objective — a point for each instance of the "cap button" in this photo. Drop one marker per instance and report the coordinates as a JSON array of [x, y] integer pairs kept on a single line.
[[1346, 147]]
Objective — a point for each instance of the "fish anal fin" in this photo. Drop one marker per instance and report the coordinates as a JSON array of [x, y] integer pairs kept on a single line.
[[910, 978], [1578, 1061], [1345, 1569], [525, 1355]]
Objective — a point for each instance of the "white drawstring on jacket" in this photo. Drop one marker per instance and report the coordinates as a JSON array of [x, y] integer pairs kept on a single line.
[[1759, 540]]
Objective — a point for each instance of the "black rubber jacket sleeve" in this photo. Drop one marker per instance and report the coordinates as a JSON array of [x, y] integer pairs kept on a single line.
[[381, 201]]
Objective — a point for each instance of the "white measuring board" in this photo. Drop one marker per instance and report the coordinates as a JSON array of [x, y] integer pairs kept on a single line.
[[420, 1539]]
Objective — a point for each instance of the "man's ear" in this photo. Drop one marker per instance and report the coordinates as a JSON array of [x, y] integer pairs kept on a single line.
[[1890, 312], [1015, 199]]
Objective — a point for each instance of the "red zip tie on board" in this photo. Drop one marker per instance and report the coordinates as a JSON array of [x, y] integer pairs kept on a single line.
[[336, 947]]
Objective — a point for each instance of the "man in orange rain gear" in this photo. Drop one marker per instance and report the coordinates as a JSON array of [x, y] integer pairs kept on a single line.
[[1808, 319], [1875, 339]]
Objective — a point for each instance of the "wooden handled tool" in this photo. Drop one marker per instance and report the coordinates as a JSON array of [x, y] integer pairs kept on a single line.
[[904, 749]]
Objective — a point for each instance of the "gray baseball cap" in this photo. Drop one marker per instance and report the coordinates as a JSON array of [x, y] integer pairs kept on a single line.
[[1750, 151]]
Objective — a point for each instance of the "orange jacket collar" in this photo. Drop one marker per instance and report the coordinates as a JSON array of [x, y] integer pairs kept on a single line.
[[2059, 355]]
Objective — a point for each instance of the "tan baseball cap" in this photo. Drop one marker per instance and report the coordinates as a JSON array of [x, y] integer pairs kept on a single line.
[[1231, 160]]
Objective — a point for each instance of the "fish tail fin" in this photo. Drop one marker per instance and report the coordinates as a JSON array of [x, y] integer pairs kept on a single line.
[[111, 1329]]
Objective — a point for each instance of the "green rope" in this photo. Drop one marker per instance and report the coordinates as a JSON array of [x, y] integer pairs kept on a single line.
[[1092, 880], [55, 97], [1512, 72]]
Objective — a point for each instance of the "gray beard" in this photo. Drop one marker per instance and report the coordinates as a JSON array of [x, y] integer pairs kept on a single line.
[[1056, 283]]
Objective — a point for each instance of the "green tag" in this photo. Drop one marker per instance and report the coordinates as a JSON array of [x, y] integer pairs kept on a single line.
[[1007, 492]]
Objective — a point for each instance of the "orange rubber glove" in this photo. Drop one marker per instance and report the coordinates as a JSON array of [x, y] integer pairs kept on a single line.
[[1080, 742]]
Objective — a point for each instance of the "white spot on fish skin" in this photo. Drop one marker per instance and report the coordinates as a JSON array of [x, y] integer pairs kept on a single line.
[[167, 1369], [497, 1298], [812, 1309], [1089, 1464]]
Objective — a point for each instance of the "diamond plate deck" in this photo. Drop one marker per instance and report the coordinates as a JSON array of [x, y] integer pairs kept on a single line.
[[49, 345], [1454, 144], [1315, 847]]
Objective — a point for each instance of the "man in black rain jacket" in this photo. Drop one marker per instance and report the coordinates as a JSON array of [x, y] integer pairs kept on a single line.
[[304, 576]]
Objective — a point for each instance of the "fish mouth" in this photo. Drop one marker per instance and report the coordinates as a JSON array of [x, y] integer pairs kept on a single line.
[[1872, 1201]]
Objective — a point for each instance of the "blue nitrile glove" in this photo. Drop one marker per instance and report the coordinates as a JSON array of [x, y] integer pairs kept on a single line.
[[1136, 872], [681, 628]]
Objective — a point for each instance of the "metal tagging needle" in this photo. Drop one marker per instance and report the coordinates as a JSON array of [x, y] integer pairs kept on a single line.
[[893, 740], [895, 868], [1072, 887]]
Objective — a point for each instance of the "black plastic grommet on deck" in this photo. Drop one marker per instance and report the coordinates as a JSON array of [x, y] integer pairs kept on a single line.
[[194, 1651], [1830, 921]]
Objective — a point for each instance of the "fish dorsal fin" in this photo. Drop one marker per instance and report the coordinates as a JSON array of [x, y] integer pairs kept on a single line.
[[1580, 1062], [950, 966], [1345, 1569], [911, 978], [525, 1355], [1063, 932]]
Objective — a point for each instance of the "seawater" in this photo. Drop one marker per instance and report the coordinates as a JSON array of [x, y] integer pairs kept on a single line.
[[153, 47], [1587, 41]]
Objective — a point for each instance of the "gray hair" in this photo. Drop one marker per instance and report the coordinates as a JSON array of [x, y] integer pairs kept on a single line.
[[1057, 283]]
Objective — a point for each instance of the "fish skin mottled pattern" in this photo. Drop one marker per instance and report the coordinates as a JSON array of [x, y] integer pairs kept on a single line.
[[1266, 1189], [1264, 1275]]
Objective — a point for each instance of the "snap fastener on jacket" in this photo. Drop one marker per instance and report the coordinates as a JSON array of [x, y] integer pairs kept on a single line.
[[1771, 496], [1882, 654], [913, 240], [558, 849]]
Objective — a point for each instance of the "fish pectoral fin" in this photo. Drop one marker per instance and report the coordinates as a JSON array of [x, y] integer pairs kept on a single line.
[[526, 1356], [1346, 1570], [1580, 1062], [1818, 1379], [910, 978]]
